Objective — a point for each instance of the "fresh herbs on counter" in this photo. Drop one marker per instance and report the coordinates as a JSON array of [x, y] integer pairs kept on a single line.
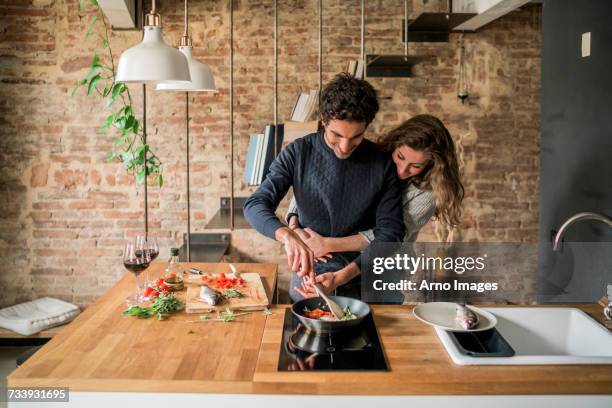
[[162, 306], [232, 293]]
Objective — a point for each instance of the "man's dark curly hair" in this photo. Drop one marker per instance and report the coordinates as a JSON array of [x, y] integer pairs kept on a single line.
[[348, 98]]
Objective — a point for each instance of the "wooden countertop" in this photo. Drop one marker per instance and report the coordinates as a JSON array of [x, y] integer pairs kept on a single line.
[[104, 351], [101, 350], [419, 365]]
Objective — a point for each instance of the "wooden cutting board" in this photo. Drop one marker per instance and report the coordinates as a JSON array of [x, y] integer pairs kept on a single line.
[[255, 297]]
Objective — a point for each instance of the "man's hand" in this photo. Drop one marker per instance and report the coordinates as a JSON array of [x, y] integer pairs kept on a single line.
[[299, 257], [294, 222]]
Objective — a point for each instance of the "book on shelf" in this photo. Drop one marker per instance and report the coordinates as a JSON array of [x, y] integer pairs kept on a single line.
[[359, 69], [355, 68], [249, 176], [261, 153], [351, 66], [258, 150], [259, 163], [269, 149], [305, 106]]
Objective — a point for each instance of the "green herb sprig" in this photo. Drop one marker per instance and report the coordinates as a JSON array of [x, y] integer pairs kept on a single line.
[[162, 305], [232, 293]]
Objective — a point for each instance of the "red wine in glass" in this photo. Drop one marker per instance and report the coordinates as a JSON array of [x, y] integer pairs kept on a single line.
[[136, 265], [151, 253], [148, 247]]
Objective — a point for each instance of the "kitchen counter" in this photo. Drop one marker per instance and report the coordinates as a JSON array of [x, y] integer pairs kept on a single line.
[[101, 350], [107, 352]]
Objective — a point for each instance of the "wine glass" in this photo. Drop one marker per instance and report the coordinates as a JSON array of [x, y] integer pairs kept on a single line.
[[135, 260], [147, 245]]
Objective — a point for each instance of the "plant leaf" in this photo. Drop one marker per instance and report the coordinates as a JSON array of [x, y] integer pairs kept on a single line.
[[107, 122], [92, 83], [120, 122], [117, 89], [140, 176], [109, 102], [160, 180]]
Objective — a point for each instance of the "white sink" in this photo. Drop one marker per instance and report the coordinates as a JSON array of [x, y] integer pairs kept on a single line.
[[543, 335]]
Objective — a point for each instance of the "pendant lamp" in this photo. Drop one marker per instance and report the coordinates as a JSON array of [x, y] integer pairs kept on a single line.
[[153, 60], [201, 76], [202, 80]]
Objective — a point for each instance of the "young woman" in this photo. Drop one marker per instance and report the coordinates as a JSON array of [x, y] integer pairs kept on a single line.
[[427, 166]]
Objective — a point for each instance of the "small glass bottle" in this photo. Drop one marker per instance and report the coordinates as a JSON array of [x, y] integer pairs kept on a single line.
[[173, 275]]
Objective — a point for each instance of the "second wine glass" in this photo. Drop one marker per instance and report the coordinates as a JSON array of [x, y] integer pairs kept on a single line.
[[148, 245], [136, 261]]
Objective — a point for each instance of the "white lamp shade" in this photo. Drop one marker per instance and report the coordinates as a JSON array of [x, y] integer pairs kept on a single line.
[[152, 61], [201, 76]]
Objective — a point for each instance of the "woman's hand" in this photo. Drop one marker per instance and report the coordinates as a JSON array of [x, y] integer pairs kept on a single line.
[[317, 243], [328, 281]]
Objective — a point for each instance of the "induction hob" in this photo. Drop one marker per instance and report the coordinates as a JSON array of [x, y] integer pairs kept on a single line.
[[356, 349]]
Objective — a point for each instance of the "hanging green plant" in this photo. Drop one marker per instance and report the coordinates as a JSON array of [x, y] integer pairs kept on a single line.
[[129, 147]]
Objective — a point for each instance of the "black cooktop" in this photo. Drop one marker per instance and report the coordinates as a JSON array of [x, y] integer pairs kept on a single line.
[[357, 349]]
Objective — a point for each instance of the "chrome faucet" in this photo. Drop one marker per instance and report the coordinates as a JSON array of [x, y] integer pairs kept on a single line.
[[579, 217]]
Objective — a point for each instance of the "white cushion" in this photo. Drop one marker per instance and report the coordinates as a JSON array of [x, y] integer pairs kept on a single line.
[[40, 314]]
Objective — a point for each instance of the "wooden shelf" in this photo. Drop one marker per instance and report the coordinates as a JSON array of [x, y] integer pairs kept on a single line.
[[295, 130]]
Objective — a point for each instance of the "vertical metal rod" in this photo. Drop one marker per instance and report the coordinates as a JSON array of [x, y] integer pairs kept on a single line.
[[320, 45], [188, 188], [275, 78], [144, 142], [231, 95], [406, 28], [186, 29], [363, 32]]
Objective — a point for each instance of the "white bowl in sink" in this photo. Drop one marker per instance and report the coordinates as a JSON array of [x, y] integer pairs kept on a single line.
[[542, 335]]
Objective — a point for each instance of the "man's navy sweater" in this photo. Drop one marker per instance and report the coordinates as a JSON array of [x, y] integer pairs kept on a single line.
[[335, 197]]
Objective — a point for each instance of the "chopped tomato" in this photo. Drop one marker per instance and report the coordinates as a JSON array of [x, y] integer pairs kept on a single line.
[[223, 282], [317, 314]]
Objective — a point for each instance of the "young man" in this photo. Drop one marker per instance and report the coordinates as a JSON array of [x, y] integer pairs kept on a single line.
[[342, 184]]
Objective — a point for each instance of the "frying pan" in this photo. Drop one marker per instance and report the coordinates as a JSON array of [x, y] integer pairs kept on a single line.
[[357, 307]]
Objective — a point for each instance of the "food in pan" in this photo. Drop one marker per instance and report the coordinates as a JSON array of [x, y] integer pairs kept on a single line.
[[465, 317], [320, 314]]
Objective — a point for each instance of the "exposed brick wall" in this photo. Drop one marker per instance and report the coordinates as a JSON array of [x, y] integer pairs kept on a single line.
[[65, 211]]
